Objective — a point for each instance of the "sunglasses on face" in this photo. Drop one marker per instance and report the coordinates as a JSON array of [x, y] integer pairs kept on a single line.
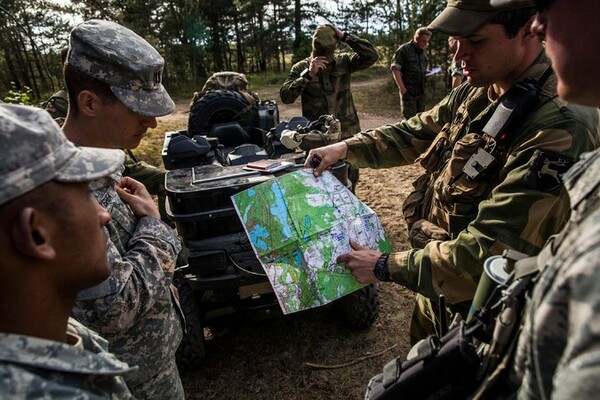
[[543, 5]]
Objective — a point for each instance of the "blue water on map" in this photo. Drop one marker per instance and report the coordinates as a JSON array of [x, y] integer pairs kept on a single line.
[[257, 235], [279, 210]]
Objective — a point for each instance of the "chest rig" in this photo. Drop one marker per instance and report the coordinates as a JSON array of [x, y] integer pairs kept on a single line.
[[463, 164]]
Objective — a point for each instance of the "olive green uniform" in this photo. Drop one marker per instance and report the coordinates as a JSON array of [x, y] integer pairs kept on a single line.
[[460, 221], [412, 62], [331, 93]]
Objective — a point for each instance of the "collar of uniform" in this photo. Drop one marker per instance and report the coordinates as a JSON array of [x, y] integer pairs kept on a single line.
[[417, 48], [535, 71], [46, 354]]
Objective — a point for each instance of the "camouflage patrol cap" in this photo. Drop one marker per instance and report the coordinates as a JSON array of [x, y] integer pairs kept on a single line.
[[116, 55], [464, 17], [33, 151]]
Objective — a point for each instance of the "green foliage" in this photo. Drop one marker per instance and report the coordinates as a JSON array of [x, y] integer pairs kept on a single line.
[[18, 96], [304, 48], [200, 37]]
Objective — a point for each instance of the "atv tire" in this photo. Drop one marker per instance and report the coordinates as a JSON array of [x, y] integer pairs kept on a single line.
[[191, 351], [220, 106], [360, 308]]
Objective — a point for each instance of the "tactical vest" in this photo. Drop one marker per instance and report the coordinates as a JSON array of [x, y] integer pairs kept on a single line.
[[463, 164]]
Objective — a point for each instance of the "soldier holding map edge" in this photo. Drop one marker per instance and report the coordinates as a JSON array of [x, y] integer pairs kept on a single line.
[[457, 221]]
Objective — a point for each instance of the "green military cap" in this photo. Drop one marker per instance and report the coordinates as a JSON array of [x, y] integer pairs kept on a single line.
[[463, 17], [119, 57], [33, 151]]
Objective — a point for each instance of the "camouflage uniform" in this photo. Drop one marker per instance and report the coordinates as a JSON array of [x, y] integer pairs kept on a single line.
[[331, 94], [412, 62], [458, 221], [135, 309], [557, 353], [32, 367]]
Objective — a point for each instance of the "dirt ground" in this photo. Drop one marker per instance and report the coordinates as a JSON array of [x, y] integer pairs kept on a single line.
[[266, 359]]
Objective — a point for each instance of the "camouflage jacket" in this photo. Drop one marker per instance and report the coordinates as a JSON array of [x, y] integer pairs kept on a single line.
[[518, 207], [32, 367], [558, 352], [412, 62], [134, 309], [330, 93]]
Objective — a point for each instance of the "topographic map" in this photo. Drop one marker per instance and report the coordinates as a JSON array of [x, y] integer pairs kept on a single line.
[[298, 225]]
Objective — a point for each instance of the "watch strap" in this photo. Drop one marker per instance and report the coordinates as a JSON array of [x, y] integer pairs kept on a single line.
[[381, 269]]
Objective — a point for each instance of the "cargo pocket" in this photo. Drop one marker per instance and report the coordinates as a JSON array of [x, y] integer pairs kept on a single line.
[[412, 208], [423, 232], [456, 187]]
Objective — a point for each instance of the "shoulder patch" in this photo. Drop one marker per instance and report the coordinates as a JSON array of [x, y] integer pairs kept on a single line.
[[547, 169]]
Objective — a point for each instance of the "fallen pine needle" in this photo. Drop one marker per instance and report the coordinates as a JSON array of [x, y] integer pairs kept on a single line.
[[348, 363]]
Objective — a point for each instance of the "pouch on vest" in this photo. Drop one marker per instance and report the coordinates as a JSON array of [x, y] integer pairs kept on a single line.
[[442, 368]]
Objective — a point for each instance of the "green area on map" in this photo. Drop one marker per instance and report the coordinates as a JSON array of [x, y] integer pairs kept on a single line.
[[298, 225]]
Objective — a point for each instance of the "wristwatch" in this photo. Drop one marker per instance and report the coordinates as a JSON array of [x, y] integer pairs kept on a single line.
[[381, 269], [306, 74]]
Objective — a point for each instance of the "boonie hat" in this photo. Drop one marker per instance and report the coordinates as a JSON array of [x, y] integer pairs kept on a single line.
[[116, 55], [463, 17], [34, 150]]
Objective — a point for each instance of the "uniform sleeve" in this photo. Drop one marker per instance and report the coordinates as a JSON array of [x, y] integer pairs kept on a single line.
[[293, 85], [398, 59], [139, 279], [364, 55], [528, 206], [401, 143], [578, 367]]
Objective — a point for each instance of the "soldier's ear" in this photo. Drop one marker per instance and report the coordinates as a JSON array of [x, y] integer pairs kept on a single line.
[[31, 235], [88, 102]]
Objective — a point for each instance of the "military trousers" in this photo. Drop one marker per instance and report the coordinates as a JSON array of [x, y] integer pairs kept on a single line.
[[411, 105], [426, 319]]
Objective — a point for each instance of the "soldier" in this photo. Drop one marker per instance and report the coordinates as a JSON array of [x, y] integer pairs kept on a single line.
[[557, 352], [53, 245], [323, 80], [409, 67], [58, 104], [462, 212], [113, 77]]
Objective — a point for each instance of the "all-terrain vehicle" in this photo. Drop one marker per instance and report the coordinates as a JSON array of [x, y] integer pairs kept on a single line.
[[227, 129]]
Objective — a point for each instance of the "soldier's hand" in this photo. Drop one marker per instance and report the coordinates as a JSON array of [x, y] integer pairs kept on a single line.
[[317, 64], [361, 262], [328, 155], [135, 195], [338, 32]]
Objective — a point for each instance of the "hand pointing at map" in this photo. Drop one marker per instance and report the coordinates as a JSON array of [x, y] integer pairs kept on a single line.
[[361, 262], [328, 156]]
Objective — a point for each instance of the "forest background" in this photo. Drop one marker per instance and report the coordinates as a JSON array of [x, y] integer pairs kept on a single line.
[[199, 37]]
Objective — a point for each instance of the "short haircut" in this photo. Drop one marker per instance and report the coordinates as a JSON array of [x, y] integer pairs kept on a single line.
[[513, 20], [422, 31], [78, 81]]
